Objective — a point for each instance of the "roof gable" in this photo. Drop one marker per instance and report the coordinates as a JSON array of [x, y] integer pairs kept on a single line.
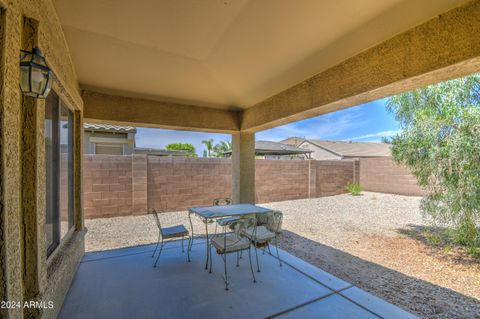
[[354, 149]]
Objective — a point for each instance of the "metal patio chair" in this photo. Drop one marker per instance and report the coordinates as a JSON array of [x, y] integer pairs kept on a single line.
[[229, 242], [177, 231], [267, 230], [224, 201]]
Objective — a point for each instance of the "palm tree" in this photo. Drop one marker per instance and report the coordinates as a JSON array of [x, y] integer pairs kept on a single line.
[[209, 146], [221, 148]]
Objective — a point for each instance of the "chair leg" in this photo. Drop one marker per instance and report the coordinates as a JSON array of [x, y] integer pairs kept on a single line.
[[190, 242], [159, 253], [156, 246], [241, 254], [208, 243], [211, 260], [238, 259], [278, 256], [268, 246], [188, 248], [251, 267], [225, 266], [183, 250], [256, 256]]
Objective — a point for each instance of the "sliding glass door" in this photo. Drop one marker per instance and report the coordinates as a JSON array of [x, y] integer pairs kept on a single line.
[[59, 170]]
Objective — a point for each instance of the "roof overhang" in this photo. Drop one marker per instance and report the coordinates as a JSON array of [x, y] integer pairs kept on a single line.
[[253, 65]]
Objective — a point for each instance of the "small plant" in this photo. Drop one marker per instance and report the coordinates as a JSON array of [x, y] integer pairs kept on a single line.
[[354, 189], [473, 251], [434, 239]]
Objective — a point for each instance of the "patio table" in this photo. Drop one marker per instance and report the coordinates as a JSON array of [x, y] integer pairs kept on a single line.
[[214, 212]]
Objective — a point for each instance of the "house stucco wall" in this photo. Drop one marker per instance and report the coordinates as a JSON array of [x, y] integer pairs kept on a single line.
[[127, 147], [25, 272], [318, 152]]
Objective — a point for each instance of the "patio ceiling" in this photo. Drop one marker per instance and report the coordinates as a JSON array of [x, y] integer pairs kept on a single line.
[[224, 53], [238, 55]]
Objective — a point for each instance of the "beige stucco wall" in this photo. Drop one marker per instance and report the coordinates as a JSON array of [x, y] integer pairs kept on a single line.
[[121, 110], [25, 272]]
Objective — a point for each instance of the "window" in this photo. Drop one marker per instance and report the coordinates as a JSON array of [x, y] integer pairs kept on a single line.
[[59, 170], [109, 149]]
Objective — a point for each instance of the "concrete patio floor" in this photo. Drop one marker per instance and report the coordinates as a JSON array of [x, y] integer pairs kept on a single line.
[[122, 283]]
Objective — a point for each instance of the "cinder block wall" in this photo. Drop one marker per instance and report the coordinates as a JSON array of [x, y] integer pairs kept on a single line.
[[333, 176], [384, 176], [176, 183], [277, 180], [125, 185], [107, 185]]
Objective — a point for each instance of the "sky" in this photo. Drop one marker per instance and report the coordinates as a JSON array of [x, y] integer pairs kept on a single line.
[[368, 122]]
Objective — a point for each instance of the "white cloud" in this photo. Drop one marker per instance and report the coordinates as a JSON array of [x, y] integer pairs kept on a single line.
[[374, 136], [322, 127]]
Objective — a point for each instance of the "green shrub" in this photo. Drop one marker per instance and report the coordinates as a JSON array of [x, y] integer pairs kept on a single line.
[[439, 142], [466, 233], [354, 189]]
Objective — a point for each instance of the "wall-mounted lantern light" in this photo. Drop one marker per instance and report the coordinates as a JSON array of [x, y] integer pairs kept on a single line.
[[35, 76]]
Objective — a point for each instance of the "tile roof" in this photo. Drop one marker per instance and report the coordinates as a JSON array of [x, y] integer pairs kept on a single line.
[[278, 148], [159, 151], [109, 128], [295, 141], [269, 147], [355, 149]]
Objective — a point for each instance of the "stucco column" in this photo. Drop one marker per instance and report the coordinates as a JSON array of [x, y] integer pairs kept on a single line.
[[79, 219], [32, 187], [243, 167]]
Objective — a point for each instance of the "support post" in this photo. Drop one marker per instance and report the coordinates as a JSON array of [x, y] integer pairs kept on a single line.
[[243, 167], [32, 118]]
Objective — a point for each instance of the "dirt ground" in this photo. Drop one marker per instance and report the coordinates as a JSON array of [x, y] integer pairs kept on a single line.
[[375, 241]]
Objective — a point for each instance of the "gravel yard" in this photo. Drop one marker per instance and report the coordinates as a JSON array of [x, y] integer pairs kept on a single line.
[[359, 239]]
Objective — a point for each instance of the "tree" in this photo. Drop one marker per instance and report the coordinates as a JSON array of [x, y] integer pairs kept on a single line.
[[209, 146], [221, 148], [186, 147], [440, 143]]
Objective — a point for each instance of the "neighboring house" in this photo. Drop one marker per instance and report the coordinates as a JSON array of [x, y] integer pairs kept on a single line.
[[336, 150], [117, 140], [276, 150], [159, 152], [108, 139]]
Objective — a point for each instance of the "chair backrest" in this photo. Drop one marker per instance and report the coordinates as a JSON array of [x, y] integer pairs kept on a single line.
[[157, 220], [272, 220], [277, 221], [222, 201], [237, 224]]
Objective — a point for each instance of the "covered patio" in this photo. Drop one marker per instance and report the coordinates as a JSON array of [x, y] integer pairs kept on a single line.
[[122, 283], [235, 67]]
